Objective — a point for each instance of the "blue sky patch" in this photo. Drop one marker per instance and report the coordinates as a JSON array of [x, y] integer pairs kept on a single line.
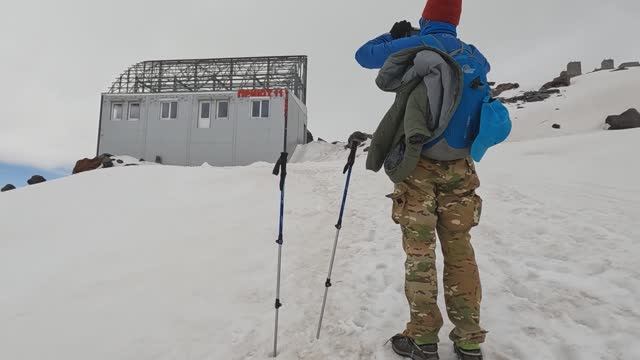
[[19, 174]]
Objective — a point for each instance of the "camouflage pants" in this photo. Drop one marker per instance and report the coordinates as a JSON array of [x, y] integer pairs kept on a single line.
[[440, 197]]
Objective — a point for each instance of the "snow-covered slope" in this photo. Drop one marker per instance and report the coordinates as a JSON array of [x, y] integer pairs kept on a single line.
[[318, 151], [582, 107], [179, 263]]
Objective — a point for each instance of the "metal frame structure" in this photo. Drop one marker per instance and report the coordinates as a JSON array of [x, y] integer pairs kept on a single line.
[[202, 75]]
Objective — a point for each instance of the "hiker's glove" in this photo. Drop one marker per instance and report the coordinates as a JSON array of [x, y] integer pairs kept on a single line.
[[401, 29], [358, 137]]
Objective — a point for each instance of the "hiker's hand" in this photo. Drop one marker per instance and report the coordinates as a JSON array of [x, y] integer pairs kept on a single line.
[[358, 138], [401, 29]]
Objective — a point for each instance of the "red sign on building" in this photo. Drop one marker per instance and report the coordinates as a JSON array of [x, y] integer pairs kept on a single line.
[[262, 93]]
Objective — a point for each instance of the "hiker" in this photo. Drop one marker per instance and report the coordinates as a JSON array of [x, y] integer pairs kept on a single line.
[[442, 119]]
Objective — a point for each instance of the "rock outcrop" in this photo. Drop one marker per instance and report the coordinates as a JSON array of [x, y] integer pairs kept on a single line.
[[607, 64], [563, 80], [531, 96], [629, 119], [7, 187], [629, 64], [574, 69], [36, 179], [498, 90], [92, 164]]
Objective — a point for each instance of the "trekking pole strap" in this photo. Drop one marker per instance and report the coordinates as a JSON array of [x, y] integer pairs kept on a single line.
[[281, 169]]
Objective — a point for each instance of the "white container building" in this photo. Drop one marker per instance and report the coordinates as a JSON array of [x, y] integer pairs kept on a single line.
[[224, 112]]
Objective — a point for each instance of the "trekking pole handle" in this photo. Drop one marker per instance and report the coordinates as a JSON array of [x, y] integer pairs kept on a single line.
[[281, 168], [352, 157]]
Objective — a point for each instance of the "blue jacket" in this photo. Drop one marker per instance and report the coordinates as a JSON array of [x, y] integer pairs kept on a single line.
[[374, 53]]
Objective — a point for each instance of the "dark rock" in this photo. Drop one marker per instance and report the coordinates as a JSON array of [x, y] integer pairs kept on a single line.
[[120, 161], [492, 83], [563, 80], [629, 119], [8, 187], [504, 87], [366, 149], [107, 164], [556, 126], [335, 143], [574, 69], [531, 96], [141, 159], [92, 164], [322, 140], [309, 136], [86, 165], [158, 159], [131, 165], [607, 64], [629, 64], [36, 179]]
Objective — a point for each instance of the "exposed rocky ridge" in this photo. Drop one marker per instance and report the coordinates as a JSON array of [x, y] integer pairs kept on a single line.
[[550, 88]]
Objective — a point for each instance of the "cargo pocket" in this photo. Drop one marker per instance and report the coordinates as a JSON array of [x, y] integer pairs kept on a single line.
[[477, 210], [399, 198], [471, 167]]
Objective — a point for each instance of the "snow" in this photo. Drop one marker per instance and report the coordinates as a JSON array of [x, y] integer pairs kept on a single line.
[[125, 160], [318, 151], [582, 107], [161, 262]]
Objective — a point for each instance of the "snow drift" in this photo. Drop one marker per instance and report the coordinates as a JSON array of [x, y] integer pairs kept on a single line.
[[582, 107]]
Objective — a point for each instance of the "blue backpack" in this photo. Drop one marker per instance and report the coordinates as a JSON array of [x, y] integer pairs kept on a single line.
[[463, 127]]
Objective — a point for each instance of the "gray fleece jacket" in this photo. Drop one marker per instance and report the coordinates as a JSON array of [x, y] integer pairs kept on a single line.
[[428, 86]]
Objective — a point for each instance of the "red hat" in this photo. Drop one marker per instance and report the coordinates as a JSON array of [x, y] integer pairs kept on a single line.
[[443, 10]]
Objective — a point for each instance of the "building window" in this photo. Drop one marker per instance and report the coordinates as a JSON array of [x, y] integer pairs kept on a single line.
[[134, 111], [223, 109], [169, 110], [116, 112], [204, 117], [260, 109]]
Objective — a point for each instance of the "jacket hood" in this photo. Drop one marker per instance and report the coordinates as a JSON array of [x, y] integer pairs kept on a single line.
[[428, 27]]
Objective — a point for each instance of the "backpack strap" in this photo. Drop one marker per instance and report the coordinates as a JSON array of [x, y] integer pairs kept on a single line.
[[458, 51], [442, 47]]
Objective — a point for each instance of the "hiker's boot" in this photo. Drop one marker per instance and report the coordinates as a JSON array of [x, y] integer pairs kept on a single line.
[[472, 352], [405, 346]]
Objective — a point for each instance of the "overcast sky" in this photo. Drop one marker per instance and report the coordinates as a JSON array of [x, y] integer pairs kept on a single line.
[[58, 56]]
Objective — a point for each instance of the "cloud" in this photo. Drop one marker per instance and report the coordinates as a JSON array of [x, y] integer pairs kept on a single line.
[[61, 55]]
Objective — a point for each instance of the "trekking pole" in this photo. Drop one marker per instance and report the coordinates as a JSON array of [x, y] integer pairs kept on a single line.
[[281, 170], [327, 284]]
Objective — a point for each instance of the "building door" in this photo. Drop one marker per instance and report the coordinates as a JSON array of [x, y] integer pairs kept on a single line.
[[204, 115]]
